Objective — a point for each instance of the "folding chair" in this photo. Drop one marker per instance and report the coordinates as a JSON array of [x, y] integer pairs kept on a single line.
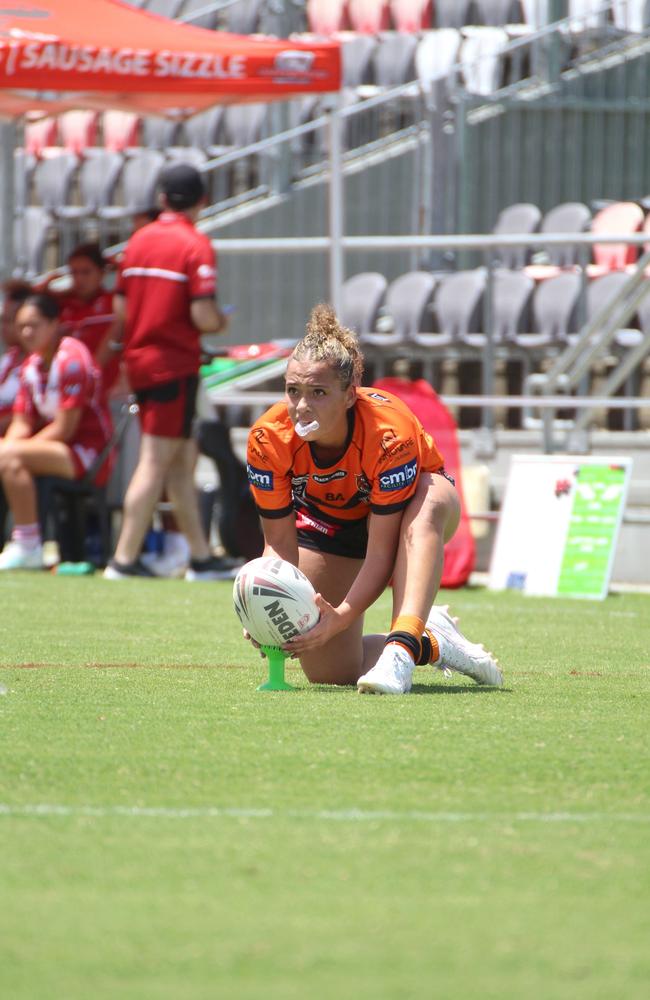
[[68, 502]]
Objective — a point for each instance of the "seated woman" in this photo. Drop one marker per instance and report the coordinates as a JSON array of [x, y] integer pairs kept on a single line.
[[60, 423], [351, 488], [86, 311], [15, 293]]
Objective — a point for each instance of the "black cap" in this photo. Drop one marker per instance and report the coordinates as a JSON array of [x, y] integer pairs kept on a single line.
[[182, 186]]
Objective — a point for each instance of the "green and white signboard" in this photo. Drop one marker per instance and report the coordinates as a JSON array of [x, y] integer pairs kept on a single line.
[[559, 525]]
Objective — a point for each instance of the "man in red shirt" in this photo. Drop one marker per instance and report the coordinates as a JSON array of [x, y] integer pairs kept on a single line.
[[165, 297]]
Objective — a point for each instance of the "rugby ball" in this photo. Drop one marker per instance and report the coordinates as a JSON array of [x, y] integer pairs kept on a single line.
[[274, 600]]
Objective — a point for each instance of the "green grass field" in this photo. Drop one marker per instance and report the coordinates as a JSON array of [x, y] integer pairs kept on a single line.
[[167, 831]]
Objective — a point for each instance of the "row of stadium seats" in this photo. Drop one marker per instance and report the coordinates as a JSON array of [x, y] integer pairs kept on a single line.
[[444, 313], [370, 16], [617, 218], [438, 322]]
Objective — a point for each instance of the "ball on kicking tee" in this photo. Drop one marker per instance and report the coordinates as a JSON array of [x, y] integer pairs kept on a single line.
[[274, 600]]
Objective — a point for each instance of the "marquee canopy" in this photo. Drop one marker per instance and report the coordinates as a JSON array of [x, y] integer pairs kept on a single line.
[[61, 54]]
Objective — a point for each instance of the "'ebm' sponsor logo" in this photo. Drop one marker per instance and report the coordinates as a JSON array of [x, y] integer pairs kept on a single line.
[[259, 478], [398, 478]]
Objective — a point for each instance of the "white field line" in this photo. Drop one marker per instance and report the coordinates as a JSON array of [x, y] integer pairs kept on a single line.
[[321, 815]]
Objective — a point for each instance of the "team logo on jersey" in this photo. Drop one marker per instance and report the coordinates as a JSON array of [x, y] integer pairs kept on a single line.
[[399, 477], [205, 271], [321, 480], [261, 479], [387, 439], [299, 486]]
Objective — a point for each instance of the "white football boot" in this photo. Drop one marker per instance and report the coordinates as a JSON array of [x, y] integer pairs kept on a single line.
[[458, 653], [15, 555], [391, 674]]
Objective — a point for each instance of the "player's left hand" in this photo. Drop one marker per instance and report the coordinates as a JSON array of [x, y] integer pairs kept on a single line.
[[329, 624]]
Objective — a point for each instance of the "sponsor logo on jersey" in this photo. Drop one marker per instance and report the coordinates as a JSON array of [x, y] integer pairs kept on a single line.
[[399, 477], [260, 478], [205, 271], [259, 434], [396, 449], [339, 474], [378, 396]]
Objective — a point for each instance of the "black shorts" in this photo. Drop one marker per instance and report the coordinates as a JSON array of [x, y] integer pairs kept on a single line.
[[350, 541]]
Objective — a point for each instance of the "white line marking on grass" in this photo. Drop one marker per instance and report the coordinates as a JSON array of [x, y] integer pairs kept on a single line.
[[322, 815]]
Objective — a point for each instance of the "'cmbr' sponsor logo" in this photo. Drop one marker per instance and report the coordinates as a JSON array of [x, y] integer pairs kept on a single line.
[[398, 478], [259, 478]]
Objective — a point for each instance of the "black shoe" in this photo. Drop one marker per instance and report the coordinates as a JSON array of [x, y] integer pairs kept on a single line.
[[123, 571], [211, 568]]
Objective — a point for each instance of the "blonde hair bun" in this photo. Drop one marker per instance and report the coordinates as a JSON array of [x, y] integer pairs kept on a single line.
[[327, 340]]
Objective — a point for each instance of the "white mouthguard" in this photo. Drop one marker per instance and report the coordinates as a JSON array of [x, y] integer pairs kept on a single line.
[[304, 429]]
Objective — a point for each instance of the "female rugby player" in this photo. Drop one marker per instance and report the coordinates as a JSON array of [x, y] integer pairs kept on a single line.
[[351, 488], [60, 423]]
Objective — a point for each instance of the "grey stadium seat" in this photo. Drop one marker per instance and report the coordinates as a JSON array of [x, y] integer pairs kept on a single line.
[[356, 55], [98, 176], [498, 12], [407, 307], [167, 8], [243, 17], [451, 13], [53, 180], [457, 309], [138, 186], [569, 217], [159, 133], [32, 229], [407, 303], [393, 60], [555, 315], [204, 130], [521, 217], [362, 297], [190, 14]]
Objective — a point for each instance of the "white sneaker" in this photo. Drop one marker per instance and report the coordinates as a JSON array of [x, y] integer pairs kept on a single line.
[[457, 653], [174, 558], [391, 674], [15, 555]]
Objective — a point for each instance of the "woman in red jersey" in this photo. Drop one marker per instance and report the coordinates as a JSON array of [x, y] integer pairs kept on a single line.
[[60, 423], [351, 488], [86, 311]]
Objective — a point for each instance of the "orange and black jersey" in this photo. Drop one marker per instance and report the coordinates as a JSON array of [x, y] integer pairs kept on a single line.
[[386, 451]]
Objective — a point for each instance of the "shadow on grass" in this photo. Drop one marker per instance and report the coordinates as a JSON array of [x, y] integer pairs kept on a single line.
[[343, 689], [457, 689]]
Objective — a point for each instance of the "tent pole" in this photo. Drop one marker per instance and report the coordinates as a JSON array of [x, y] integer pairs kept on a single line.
[[336, 194], [7, 146]]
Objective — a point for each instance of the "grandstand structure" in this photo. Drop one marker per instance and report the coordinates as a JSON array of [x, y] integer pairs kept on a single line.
[[474, 201]]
